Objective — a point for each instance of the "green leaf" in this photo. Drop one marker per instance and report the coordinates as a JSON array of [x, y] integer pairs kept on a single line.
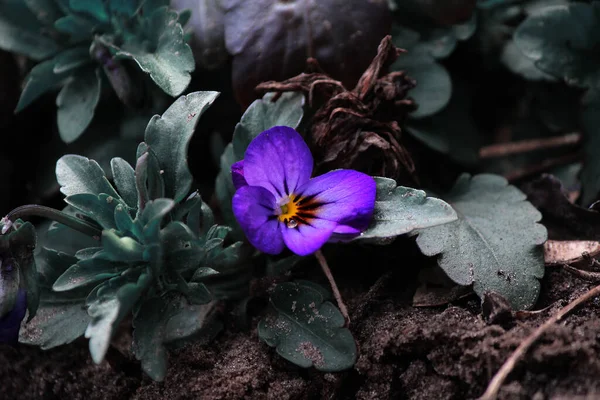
[[160, 321], [76, 174], [563, 41], [148, 336], [171, 62], [400, 210], [451, 131], [151, 218], [87, 271], [495, 244], [77, 103], [112, 302], [124, 249], [100, 208], [124, 177], [40, 79], [191, 322], [21, 32], [124, 7], [46, 11], [71, 59], [434, 87], [183, 251], [522, 65], [307, 330], [94, 8], [262, 114], [78, 28], [55, 325], [169, 135]]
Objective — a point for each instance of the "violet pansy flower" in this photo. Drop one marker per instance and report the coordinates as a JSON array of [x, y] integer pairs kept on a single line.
[[278, 204], [10, 324]]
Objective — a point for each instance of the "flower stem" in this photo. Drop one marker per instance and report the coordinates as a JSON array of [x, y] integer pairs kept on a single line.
[[334, 288], [72, 222]]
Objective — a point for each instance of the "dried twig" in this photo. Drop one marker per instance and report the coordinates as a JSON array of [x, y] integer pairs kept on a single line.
[[585, 275], [525, 146], [495, 384], [541, 167]]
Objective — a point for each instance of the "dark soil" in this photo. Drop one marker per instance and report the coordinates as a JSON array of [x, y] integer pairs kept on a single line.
[[446, 352]]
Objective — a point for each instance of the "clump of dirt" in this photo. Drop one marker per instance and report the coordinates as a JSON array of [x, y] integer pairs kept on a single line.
[[446, 352]]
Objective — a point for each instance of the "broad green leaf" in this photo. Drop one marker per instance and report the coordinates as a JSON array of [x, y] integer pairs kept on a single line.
[[590, 174], [109, 307], [46, 11], [451, 131], [78, 28], [124, 249], [152, 217], [77, 174], [307, 330], [21, 32], [400, 210], [124, 177], [522, 65], [262, 114], [149, 6], [70, 59], [55, 325], [94, 8], [192, 322], [169, 135], [87, 271], [495, 244], [563, 40], [77, 103], [182, 249], [434, 87], [125, 223], [100, 208], [124, 7], [148, 336], [40, 79], [171, 62]]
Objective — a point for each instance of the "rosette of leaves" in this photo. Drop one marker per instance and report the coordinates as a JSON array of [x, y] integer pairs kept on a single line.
[[156, 249], [81, 45]]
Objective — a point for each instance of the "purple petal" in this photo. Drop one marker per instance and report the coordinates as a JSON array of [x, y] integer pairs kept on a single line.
[[278, 160], [237, 174], [306, 239], [253, 207], [348, 197], [10, 324]]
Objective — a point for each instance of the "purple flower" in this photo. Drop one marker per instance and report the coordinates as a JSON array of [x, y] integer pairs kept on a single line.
[[10, 324], [277, 204]]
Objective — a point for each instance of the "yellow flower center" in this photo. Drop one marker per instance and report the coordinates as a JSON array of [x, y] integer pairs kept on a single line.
[[295, 210]]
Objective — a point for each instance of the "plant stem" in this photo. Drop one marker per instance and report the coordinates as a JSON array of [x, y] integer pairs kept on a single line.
[[334, 288], [34, 210], [495, 384]]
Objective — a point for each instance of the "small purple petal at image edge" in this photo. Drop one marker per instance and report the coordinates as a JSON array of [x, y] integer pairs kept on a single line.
[[10, 324], [291, 208]]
